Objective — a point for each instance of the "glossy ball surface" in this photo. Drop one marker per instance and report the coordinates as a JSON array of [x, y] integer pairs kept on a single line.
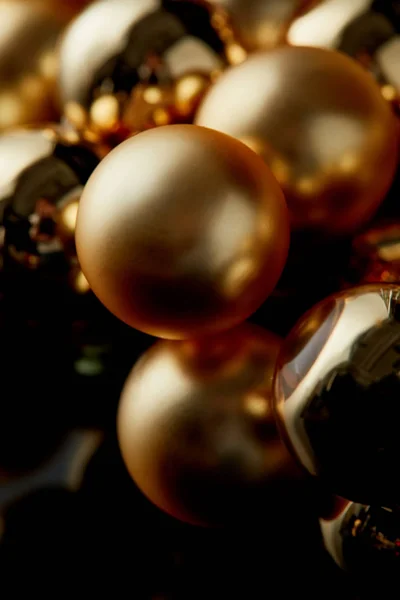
[[334, 154], [182, 231], [196, 427], [130, 81], [366, 30], [336, 388], [42, 176], [365, 541], [262, 24]]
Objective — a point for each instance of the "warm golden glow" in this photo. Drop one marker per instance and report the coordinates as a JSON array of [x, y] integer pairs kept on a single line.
[[104, 112], [161, 117], [76, 114], [235, 54], [389, 92], [152, 95], [188, 91], [69, 216], [390, 253], [81, 283], [257, 406], [12, 109]]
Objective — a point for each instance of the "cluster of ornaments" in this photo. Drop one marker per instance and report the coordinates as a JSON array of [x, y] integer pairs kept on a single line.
[[193, 137]]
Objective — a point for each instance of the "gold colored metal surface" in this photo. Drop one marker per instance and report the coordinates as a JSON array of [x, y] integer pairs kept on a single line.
[[320, 122], [182, 231], [262, 24], [196, 427], [130, 80]]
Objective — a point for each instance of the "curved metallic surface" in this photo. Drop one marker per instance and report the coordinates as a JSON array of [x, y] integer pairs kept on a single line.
[[182, 231], [262, 24], [41, 180], [196, 426], [336, 387], [334, 154]]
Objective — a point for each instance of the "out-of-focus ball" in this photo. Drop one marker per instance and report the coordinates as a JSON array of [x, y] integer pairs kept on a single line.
[[365, 541], [42, 175], [337, 388], [127, 66], [375, 256], [262, 24], [333, 154], [182, 231], [196, 426], [28, 66], [367, 30]]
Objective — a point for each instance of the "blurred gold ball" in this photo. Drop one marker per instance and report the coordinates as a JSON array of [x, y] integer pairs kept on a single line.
[[28, 64], [182, 231], [321, 124], [262, 24], [196, 427]]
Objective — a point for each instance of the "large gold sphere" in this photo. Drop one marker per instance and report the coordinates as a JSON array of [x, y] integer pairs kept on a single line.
[[28, 34], [182, 231], [320, 122], [262, 24], [196, 426]]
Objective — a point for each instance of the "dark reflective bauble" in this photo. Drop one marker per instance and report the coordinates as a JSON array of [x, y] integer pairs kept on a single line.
[[337, 388], [42, 176], [365, 541], [367, 30], [138, 76]]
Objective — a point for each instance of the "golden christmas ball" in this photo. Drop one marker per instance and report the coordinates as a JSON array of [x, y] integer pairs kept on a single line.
[[321, 124], [122, 64], [182, 231], [196, 427]]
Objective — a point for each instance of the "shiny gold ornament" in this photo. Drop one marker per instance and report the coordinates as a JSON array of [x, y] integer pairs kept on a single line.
[[28, 34], [42, 175], [320, 122], [182, 231], [196, 426], [133, 79], [262, 24], [367, 30], [337, 388]]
